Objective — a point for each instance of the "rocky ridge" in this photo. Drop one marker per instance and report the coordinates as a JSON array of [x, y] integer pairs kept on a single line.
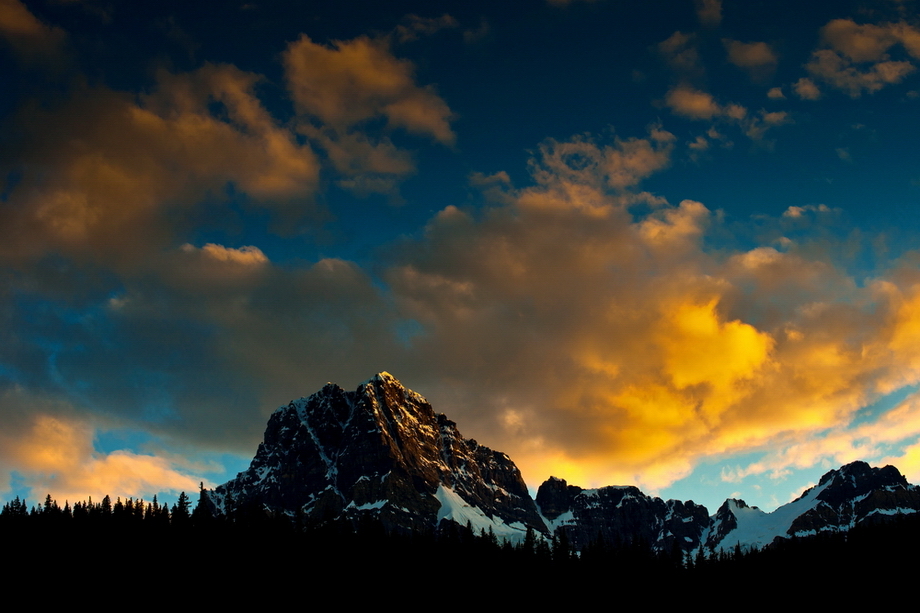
[[382, 451]]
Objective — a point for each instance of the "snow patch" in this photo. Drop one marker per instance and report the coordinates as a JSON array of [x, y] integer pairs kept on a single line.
[[757, 529], [455, 508]]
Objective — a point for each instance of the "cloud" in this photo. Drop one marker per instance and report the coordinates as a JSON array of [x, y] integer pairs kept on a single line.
[[414, 26], [244, 256], [32, 40], [692, 103], [806, 89], [340, 90], [562, 324], [53, 454], [709, 12], [699, 105], [898, 427], [88, 190], [856, 58], [797, 212], [680, 52], [621, 166], [836, 71], [758, 58], [359, 80], [776, 93], [621, 349]]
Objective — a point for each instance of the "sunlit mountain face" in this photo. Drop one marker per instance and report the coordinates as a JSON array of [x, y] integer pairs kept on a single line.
[[670, 245]]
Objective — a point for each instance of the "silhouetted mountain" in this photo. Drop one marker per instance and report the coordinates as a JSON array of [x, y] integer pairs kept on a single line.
[[381, 452]]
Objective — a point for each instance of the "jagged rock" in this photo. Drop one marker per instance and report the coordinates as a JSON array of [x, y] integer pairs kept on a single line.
[[382, 451], [853, 494], [620, 514], [555, 497], [724, 522]]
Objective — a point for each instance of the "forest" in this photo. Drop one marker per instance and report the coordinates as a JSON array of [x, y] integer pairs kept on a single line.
[[229, 552]]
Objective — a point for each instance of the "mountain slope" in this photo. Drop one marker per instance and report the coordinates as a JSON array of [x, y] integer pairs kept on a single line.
[[844, 498], [620, 514], [383, 451]]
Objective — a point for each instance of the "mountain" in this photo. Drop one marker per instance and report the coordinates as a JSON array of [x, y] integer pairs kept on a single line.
[[844, 498], [620, 514], [382, 452], [379, 451], [852, 495]]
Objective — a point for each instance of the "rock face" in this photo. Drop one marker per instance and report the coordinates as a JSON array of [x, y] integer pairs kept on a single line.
[[621, 514], [854, 494], [844, 498], [380, 450]]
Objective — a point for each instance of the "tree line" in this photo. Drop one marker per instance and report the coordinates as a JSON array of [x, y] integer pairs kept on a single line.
[[233, 548]]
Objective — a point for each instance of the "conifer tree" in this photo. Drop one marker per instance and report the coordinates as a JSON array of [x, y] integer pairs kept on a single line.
[[180, 510]]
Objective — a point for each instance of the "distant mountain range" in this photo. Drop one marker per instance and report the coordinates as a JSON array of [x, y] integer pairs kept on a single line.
[[382, 452]]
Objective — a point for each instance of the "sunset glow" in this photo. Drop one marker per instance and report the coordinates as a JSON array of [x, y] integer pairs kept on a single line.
[[672, 245]]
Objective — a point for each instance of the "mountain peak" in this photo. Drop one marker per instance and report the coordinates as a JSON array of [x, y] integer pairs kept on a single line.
[[380, 450], [384, 377]]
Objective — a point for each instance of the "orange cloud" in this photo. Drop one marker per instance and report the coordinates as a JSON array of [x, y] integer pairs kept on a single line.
[[757, 58], [345, 86], [806, 89], [680, 52], [692, 103], [31, 39], [856, 59], [620, 349], [245, 256], [709, 12], [414, 26], [695, 104], [91, 192], [358, 80], [623, 165], [55, 456]]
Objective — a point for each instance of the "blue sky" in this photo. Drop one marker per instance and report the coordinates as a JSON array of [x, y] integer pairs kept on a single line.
[[671, 244]]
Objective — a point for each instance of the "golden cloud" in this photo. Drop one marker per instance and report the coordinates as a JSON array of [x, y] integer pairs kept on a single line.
[[245, 256], [692, 103], [621, 350], [699, 105], [581, 161], [358, 80], [680, 52], [806, 89], [31, 39], [414, 26], [352, 83], [91, 190], [55, 456], [757, 58], [856, 57], [709, 12]]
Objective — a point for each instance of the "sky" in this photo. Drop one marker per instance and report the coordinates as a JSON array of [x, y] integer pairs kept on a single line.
[[670, 243]]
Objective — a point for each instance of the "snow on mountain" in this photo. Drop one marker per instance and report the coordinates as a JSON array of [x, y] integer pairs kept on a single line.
[[843, 498], [382, 451]]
